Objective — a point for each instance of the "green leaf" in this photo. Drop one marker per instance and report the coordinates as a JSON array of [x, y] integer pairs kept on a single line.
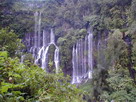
[[4, 89], [4, 54]]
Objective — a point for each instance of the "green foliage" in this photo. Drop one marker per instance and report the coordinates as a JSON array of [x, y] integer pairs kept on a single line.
[[3, 54], [61, 92], [27, 82], [69, 18], [27, 57], [117, 48], [12, 18], [109, 54], [121, 86], [61, 41], [10, 42]]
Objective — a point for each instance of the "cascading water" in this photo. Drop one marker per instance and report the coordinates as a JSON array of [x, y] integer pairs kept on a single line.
[[40, 44], [90, 55], [44, 58], [56, 59], [22, 58], [35, 41], [75, 78], [43, 53], [52, 38], [82, 59]]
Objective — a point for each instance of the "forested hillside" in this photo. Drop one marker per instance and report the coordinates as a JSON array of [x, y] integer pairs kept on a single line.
[[99, 33]]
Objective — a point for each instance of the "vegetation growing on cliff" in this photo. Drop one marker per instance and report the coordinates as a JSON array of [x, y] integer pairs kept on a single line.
[[112, 21], [26, 82]]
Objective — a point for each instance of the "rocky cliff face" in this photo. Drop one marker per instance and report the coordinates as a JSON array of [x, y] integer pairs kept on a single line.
[[70, 20]]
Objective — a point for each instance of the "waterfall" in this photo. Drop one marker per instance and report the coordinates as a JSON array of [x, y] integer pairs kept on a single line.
[[35, 41], [39, 30], [56, 59], [22, 58], [40, 43], [82, 54], [52, 38], [90, 55], [44, 58], [82, 59], [44, 50], [35, 29]]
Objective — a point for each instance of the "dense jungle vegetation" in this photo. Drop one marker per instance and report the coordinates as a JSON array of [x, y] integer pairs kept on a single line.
[[114, 75]]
